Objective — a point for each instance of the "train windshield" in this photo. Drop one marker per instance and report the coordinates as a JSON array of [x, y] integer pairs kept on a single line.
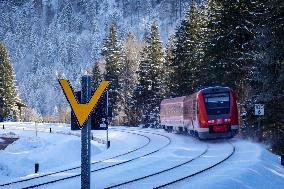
[[217, 103]]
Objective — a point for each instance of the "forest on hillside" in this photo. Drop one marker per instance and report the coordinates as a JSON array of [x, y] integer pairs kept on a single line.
[[48, 38]]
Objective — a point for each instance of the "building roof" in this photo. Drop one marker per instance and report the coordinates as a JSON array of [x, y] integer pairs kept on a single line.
[[20, 104]]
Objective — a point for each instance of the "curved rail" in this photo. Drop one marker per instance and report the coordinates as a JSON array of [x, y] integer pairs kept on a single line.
[[95, 170], [78, 167], [165, 170], [201, 171]]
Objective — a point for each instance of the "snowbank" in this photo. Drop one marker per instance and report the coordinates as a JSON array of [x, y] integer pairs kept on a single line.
[[51, 151], [9, 135], [252, 166]]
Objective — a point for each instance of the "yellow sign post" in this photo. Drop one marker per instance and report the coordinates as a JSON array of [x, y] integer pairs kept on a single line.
[[82, 111]]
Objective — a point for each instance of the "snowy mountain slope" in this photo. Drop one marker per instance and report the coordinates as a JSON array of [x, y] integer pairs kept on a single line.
[[49, 38]]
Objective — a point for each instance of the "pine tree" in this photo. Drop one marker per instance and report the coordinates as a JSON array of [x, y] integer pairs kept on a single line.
[[8, 93], [150, 90], [128, 79], [112, 53], [186, 69], [230, 31], [168, 65], [267, 76], [96, 76]]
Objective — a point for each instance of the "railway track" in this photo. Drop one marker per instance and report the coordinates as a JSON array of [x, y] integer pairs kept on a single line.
[[125, 184], [77, 167], [136, 181], [151, 175], [41, 180], [198, 172]]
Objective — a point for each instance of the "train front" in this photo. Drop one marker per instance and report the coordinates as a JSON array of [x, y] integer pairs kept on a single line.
[[217, 113]]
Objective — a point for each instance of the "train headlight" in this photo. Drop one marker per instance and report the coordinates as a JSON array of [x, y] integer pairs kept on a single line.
[[211, 121], [227, 120]]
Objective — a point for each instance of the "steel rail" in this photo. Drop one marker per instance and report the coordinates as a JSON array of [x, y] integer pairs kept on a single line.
[[199, 172], [159, 172]]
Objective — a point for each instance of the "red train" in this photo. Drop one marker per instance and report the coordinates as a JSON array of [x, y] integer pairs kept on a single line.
[[209, 113]]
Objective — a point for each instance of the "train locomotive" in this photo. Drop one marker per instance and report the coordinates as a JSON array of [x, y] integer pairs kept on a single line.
[[209, 113]]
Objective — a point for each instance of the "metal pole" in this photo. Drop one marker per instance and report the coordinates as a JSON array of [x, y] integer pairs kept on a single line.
[[36, 128], [259, 130], [107, 107], [86, 136], [107, 138], [107, 120], [278, 133], [107, 142]]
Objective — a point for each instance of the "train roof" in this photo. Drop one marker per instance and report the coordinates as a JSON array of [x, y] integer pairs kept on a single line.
[[173, 100], [215, 89]]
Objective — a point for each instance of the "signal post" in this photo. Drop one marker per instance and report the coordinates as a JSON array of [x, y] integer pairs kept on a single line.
[[82, 109], [86, 136]]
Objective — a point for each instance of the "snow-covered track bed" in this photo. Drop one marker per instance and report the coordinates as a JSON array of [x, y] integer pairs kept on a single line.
[[77, 168], [211, 159], [124, 184], [103, 164], [171, 176]]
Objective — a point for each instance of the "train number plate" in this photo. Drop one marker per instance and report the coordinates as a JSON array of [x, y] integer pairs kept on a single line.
[[220, 128]]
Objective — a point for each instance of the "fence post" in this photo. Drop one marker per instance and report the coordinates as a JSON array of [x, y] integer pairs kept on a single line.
[[50, 130], [108, 144], [36, 167], [3, 127], [282, 159]]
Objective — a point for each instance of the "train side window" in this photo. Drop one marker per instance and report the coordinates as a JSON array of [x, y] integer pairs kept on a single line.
[[194, 107], [197, 109]]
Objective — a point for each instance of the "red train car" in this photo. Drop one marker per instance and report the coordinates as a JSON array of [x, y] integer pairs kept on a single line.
[[209, 113]]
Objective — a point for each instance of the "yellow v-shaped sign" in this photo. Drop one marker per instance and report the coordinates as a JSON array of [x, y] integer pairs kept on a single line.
[[82, 111]]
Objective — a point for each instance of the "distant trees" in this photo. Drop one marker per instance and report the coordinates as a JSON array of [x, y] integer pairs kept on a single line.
[[8, 92], [185, 75], [97, 77], [138, 80], [151, 84], [121, 64], [128, 80], [168, 67], [112, 53], [266, 76]]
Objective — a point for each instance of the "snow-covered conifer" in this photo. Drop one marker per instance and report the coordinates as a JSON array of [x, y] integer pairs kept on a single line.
[[112, 52], [150, 90], [8, 92]]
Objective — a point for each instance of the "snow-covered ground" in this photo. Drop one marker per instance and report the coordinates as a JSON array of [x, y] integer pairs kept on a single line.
[[251, 166], [51, 151]]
